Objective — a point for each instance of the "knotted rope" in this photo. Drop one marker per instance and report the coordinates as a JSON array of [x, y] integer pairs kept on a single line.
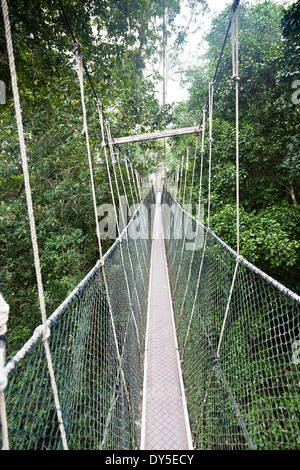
[[31, 215]]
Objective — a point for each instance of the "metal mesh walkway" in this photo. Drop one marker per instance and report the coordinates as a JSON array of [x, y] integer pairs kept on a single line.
[[165, 423]]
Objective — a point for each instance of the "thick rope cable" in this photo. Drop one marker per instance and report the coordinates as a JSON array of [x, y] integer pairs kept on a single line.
[[235, 77], [3, 421], [74, 40], [174, 185], [136, 177], [180, 181], [129, 181], [77, 48], [4, 313], [177, 181], [136, 189], [210, 106], [186, 172], [46, 330], [202, 154]]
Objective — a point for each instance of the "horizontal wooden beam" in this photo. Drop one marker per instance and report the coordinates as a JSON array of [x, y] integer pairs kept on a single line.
[[156, 135]]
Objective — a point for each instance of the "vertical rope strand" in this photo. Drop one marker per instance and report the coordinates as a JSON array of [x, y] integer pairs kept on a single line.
[[235, 77], [46, 330], [186, 172], [234, 46], [4, 313], [202, 155], [77, 48], [193, 174], [180, 181], [210, 106]]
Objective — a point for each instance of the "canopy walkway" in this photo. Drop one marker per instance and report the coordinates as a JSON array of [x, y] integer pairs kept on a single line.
[[172, 341]]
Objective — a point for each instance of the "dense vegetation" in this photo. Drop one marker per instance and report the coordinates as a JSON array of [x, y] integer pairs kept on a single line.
[[120, 39]]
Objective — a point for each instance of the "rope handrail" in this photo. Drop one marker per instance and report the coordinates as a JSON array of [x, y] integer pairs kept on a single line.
[[37, 335], [243, 260]]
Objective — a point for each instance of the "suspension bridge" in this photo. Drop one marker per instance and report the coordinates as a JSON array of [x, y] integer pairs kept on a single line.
[[167, 343]]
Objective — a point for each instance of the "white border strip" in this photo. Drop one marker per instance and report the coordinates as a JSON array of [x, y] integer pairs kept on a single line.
[[143, 426]]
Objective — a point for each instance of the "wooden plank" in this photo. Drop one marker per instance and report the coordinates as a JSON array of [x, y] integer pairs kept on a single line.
[[156, 135]]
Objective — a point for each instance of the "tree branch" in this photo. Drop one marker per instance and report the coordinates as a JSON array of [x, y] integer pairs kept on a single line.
[[12, 193]]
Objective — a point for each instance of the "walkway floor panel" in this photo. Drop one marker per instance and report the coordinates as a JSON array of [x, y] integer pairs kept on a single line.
[[165, 424]]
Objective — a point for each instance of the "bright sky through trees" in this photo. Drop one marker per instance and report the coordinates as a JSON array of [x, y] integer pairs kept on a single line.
[[196, 47]]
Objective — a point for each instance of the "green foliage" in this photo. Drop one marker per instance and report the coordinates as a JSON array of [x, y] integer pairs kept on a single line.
[[268, 237]]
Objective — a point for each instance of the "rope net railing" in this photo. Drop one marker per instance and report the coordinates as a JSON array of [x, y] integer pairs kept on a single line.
[[98, 411], [245, 393]]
